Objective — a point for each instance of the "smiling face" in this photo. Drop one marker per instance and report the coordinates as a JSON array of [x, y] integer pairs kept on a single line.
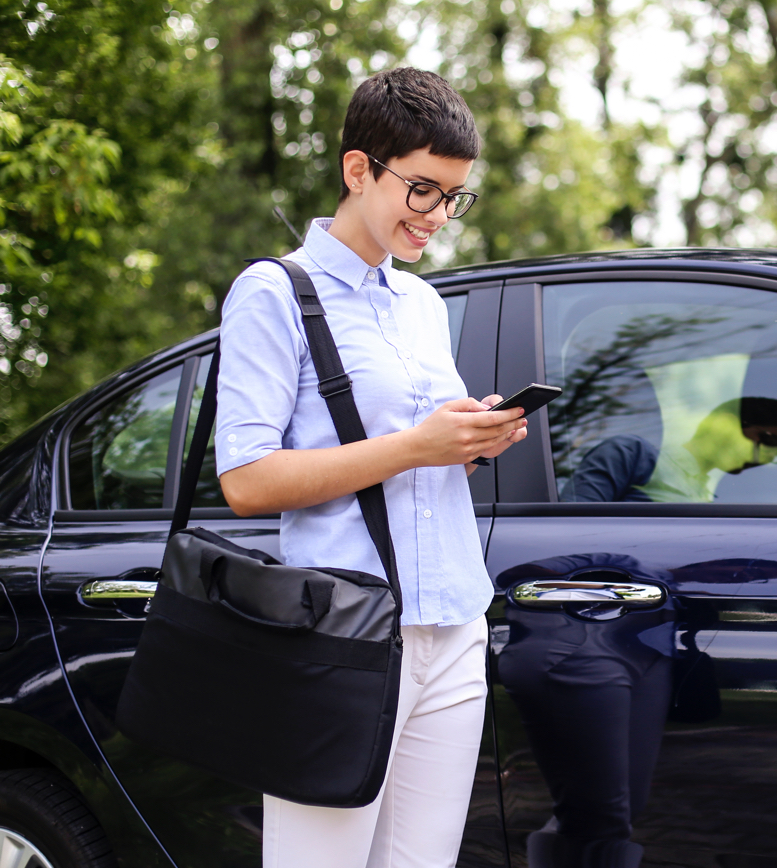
[[375, 219]]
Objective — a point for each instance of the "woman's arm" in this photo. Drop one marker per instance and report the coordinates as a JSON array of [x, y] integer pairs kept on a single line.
[[295, 478]]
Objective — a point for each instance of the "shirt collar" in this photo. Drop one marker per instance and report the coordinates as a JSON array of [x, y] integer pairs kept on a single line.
[[340, 261]]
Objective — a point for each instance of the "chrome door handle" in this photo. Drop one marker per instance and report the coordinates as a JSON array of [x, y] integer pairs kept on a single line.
[[552, 593], [121, 588], [113, 589], [590, 601]]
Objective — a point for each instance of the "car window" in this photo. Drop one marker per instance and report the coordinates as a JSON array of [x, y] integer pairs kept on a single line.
[[670, 391], [208, 491], [457, 306], [118, 455]]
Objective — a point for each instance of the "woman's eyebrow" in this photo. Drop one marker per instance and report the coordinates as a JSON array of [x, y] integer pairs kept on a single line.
[[425, 180]]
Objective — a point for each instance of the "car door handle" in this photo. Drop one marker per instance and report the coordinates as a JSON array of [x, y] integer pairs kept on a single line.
[[135, 585], [601, 600], [553, 593]]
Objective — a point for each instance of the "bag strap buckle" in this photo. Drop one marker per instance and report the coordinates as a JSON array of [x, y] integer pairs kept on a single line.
[[334, 385]]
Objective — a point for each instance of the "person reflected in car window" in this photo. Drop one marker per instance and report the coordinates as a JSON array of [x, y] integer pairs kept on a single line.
[[735, 436]]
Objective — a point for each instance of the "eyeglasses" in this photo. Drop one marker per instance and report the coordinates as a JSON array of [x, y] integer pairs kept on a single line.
[[423, 197]]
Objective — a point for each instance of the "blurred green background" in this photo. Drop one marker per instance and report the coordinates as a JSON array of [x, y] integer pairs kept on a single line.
[[144, 146]]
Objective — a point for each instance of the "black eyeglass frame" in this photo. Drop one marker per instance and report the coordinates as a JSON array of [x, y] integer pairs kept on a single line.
[[449, 197]]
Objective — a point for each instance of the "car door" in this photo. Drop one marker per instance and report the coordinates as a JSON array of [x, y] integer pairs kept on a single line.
[[120, 463], [655, 470]]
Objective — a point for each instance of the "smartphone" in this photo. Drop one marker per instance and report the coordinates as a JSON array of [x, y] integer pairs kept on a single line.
[[530, 398]]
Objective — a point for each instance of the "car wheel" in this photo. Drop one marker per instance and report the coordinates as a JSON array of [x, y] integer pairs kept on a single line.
[[45, 824]]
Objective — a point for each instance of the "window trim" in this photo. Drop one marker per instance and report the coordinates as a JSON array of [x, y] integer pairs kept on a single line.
[[528, 466], [178, 430], [706, 272], [636, 510], [108, 516], [639, 274]]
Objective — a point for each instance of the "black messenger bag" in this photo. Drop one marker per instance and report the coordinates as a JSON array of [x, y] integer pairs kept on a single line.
[[281, 679]]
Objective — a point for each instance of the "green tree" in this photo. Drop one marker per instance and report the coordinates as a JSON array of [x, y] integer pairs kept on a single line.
[[550, 184], [729, 159], [280, 77], [94, 112]]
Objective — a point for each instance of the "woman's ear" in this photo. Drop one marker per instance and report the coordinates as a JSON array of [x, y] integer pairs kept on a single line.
[[356, 168]]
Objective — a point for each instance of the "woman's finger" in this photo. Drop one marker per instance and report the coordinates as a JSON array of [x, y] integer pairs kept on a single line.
[[493, 418]]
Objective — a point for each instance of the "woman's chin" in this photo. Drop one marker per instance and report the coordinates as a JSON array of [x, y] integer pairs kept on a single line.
[[412, 255]]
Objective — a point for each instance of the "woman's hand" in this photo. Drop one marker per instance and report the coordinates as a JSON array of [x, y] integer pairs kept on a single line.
[[516, 435], [461, 430]]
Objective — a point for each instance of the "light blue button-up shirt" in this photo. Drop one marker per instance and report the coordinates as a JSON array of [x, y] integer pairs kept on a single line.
[[391, 328]]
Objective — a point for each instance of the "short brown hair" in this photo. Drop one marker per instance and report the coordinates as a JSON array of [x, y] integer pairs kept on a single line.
[[403, 110]]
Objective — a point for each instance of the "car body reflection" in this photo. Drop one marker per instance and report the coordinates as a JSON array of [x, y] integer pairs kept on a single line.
[[594, 694]]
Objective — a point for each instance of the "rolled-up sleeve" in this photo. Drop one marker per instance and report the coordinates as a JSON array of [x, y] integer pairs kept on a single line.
[[261, 352]]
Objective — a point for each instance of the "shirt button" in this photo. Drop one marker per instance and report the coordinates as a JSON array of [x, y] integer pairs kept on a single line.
[[370, 275], [407, 354], [424, 402], [427, 513], [383, 314], [232, 438], [233, 450]]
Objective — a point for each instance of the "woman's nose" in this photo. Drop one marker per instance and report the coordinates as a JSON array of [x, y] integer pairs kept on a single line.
[[439, 214]]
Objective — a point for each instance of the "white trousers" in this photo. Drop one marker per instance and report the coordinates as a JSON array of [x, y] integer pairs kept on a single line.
[[418, 818]]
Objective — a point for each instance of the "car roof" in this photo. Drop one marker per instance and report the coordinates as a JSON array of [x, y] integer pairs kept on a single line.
[[761, 262]]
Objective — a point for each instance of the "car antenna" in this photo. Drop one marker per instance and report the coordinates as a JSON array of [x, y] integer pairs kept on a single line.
[[278, 211]]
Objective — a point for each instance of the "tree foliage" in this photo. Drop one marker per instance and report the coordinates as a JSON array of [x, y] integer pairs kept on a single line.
[[95, 114], [280, 82], [143, 156], [732, 150]]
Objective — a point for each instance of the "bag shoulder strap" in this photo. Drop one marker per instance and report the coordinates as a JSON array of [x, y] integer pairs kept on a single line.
[[334, 385]]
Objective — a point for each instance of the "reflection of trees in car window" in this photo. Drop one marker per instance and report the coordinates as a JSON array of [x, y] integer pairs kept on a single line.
[[118, 455], [609, 382], [142, 445], [644, 367]]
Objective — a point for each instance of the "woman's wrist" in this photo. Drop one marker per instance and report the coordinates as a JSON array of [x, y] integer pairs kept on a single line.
[[410, 445]]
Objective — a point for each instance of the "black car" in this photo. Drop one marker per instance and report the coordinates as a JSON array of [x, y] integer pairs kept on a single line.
[[632, 541]]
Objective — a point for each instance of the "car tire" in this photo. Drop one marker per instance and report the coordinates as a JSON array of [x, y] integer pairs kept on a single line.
[[44, 823]]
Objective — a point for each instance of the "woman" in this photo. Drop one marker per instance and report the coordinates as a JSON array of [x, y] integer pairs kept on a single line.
[[409, 142]]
